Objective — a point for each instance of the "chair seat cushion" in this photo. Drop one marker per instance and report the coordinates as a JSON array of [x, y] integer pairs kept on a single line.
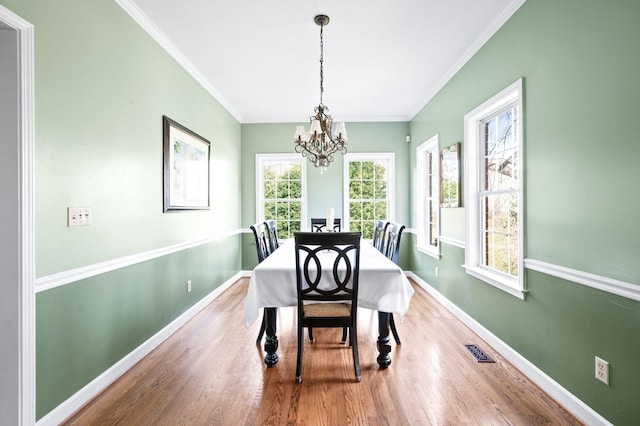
[[327, 310]]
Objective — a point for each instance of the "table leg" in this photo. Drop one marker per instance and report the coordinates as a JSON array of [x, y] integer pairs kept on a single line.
[[384, 360], [271, 341]]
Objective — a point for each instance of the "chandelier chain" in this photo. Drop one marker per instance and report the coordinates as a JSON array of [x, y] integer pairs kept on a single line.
[[321, 61], [320, 145]]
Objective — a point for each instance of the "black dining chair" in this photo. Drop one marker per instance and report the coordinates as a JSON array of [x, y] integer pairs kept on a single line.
[[272, 232], [391, 249], [378, 234], [320, 225], [327, 286], [393, 233], [263, 249]]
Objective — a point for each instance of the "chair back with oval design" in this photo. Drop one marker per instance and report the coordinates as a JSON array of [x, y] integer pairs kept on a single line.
[[320, 225], [327, 274]]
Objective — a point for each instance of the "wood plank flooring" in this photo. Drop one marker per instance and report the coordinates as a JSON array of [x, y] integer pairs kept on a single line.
[[211, 372]]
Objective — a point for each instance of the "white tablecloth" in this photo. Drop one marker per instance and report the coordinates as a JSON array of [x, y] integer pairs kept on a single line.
[[383, 286]]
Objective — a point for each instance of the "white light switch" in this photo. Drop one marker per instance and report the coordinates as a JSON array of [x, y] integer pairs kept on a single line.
[[78, 216]]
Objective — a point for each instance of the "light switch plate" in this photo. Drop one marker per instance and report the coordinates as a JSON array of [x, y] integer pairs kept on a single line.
[[78, 216]]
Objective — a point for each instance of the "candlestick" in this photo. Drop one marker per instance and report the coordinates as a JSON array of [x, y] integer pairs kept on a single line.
[[329, 222]]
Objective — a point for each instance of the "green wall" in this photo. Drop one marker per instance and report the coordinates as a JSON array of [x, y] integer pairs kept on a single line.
[[581, 153], [85, 327], [100, 97], [323, 190], [102, 85]]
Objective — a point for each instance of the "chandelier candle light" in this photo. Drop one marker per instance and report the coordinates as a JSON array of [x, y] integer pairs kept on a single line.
[[324, 138]]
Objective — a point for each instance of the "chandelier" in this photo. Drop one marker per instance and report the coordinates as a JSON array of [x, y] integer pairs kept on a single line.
[[324, 138]]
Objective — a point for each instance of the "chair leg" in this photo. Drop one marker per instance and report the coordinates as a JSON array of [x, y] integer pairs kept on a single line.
[[344, 335], [392, 324], [310, 334], [263, 327], [299, 360], [353, 337]]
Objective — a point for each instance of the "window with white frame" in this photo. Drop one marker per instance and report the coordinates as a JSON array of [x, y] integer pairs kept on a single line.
[[281, 191], [369, 182], [428, 199], [494, 188]]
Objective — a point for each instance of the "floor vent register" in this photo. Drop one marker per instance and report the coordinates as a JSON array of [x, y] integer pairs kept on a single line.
[[477, 353]]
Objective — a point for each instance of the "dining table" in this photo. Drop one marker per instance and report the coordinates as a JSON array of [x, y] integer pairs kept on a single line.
[[383, 287]]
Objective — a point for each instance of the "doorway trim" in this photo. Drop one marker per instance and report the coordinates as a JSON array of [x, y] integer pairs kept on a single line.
[[26, 278]]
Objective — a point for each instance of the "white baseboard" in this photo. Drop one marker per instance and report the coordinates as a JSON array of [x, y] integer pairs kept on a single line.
[[539, 377], [97, 385]]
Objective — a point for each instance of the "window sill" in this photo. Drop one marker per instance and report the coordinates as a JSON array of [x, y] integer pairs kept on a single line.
[[433, 252], [505, 284]]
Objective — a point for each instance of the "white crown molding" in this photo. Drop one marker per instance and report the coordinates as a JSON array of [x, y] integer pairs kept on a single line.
[[539, 377], [66, 277], [97, 385], [497, 23], [134, 11], [610, 285], [346, 118]]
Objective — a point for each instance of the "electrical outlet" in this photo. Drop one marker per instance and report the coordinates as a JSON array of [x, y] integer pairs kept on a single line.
[[437, 271], [189, 286], [602, 370], [78, 216]]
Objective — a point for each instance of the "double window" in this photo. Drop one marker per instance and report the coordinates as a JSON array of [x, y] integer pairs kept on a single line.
[[281, 194], [368, 191], [428, 199], [493, 178]]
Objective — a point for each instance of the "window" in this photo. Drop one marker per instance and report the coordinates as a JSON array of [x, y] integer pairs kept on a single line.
[[428, 211], [493, 178], [281, 191], [368, 191]]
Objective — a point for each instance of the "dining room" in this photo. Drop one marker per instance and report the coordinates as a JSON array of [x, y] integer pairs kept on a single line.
[[134, 178]]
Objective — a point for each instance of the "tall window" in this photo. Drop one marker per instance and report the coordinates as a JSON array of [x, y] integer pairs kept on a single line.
[[369, 191], [428, 207], [281, 189], [493, 141]]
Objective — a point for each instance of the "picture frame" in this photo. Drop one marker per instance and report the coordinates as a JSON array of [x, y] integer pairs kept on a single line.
[[186, 168], [450, 176]]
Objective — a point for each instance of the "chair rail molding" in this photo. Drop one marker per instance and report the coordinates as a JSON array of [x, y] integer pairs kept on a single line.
[[452, 241], [610, 285], [66, 277], [599, 282]]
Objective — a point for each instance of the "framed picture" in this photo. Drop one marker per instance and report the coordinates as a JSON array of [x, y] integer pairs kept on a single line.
[[186, 168], [450, 176]]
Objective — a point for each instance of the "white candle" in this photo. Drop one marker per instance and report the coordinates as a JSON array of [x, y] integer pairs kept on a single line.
[[329, 223]]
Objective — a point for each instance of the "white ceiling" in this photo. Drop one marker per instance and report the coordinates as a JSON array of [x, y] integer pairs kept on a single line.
[[383, 60]]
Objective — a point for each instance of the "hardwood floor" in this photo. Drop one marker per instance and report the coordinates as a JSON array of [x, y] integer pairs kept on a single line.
[[210, 372]]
